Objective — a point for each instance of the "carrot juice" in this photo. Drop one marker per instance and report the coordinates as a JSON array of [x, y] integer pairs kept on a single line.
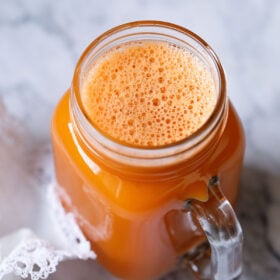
[[144, 126]]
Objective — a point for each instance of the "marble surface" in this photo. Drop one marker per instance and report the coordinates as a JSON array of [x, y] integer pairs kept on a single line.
[[40, 42]]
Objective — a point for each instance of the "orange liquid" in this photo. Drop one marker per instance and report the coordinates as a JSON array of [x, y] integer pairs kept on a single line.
[[157, 94], [139, 228]]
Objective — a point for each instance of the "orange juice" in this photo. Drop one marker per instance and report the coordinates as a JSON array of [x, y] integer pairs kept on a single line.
[[144, 129], [157, 93]]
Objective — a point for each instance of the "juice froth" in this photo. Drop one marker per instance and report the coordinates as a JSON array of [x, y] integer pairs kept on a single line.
[[148, 93]]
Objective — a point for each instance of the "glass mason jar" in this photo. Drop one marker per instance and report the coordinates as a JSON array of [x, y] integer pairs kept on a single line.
[[142, 209]]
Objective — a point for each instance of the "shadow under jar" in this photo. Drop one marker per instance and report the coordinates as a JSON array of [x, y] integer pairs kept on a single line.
[[130, 201]]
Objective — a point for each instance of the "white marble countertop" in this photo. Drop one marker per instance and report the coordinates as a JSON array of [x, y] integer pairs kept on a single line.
[[40, 42]]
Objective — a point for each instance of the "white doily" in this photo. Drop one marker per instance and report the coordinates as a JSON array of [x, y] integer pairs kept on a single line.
[[37, 258], [35, 232], [32, 256]]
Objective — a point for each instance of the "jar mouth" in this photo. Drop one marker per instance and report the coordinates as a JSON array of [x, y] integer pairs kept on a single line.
[[97, 142]]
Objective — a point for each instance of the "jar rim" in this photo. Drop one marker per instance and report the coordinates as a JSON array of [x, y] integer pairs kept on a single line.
[[95, 139]]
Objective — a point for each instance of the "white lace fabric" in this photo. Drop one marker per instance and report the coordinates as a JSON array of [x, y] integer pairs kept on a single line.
[[31, 256], [35, 231]]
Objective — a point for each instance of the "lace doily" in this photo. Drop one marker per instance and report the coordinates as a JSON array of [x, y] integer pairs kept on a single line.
[[35, 231], [37, 258], [32, 256]]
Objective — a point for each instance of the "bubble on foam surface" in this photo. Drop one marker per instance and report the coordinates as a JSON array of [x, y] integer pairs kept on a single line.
[[148, 93]]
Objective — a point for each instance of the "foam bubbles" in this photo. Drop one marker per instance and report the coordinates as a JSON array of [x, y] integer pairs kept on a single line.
[[148, 93]]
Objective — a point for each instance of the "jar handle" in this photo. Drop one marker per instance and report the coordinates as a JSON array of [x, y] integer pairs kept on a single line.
[[223, 231]]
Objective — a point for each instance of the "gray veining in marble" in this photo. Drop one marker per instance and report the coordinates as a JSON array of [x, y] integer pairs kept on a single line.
[[40, 42]]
